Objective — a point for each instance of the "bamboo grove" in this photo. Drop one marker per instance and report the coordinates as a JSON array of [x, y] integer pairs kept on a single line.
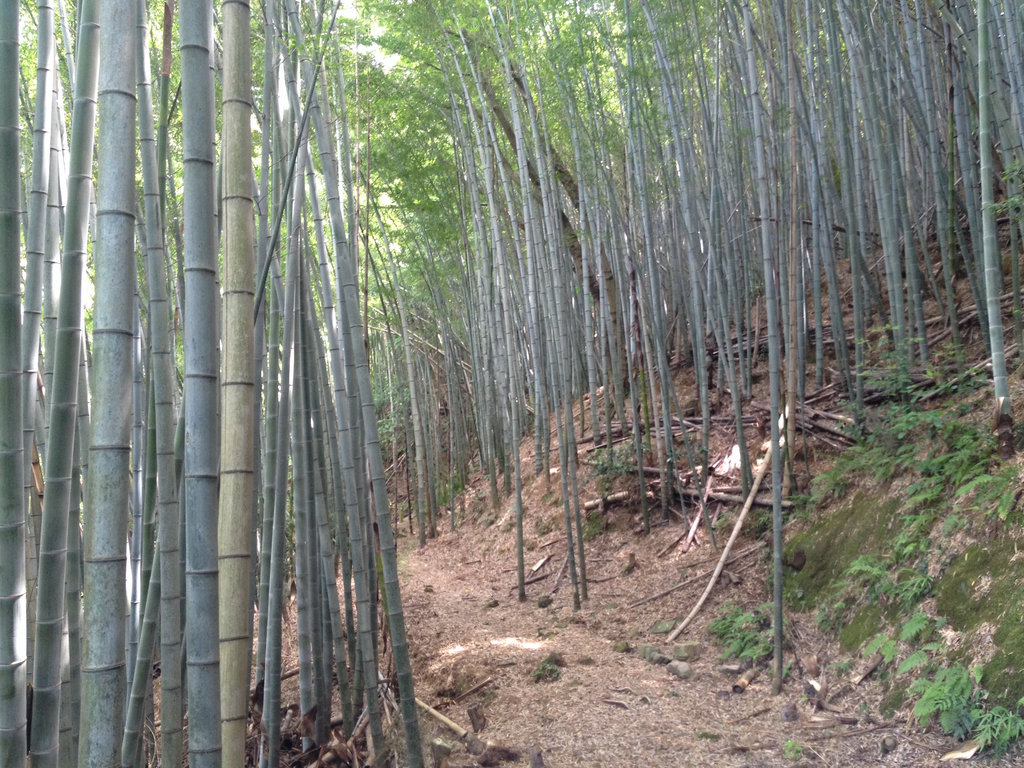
[[315, 248]]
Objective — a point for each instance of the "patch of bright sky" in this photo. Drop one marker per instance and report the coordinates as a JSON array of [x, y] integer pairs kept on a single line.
[[386, 61]]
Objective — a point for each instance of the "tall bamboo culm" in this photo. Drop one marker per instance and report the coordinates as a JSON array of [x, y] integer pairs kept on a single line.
[[13, 608], [200, 386], [236, 499]]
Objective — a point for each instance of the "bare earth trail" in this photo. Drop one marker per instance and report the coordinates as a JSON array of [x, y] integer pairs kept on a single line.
[[614, 709]]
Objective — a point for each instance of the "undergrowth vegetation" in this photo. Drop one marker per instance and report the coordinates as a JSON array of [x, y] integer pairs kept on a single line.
[[612, 463], [954, 697], [746, 635], [921, 509]]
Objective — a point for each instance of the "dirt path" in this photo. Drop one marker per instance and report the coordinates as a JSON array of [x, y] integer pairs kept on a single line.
[[611, 708]]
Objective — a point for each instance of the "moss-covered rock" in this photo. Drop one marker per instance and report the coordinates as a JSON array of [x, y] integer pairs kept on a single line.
[[664, 626], [688, 651]]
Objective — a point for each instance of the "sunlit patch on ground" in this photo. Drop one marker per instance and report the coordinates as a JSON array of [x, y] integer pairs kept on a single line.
[[529, 645]]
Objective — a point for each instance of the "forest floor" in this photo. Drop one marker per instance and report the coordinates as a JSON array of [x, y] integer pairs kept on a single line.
[[610, 708], [473, 643], [575, 685]]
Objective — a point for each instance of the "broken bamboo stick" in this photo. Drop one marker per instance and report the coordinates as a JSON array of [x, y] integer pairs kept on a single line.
[[728, 545]]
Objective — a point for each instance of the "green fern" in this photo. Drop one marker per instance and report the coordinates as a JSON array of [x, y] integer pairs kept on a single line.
[[910, 544], [949, 696], [885, 646], [993, 494], [915, 628], [872, 573], [913, 661], [911, 590], [998, 728]]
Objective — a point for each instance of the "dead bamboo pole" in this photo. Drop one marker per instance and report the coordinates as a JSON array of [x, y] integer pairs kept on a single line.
[[728, 545]]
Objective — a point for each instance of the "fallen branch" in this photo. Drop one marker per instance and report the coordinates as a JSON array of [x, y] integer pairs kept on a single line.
[[749, 716], [539, 564], [848, 734], [561, 573], [974, 370], [695, 577], [831, 722], [733, 499], [473, 744], [486, 753], [361, 724], [610, 499], [728, 545], [531, 580], [745, 680], [664, 550], [473, 690], [873, 663], [686, 534]]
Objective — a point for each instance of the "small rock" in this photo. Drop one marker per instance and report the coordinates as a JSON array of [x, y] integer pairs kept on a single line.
[[428, 588], [663, 627], [888, 743], [747, 742], [630, 565], [730, 578], [659, 658], [647, 651], [544, 601], [681, 669], [492, 603], [730, 669], [621, 646], [439, 750], [688, 651], [789, 713]]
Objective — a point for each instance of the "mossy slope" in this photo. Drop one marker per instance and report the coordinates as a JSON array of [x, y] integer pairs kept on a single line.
[[980, 594], [966, 548]]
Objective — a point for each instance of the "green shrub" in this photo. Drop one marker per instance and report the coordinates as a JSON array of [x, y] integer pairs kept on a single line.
[[611, 463], [548, 671], [745, 634], [593, 525]]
